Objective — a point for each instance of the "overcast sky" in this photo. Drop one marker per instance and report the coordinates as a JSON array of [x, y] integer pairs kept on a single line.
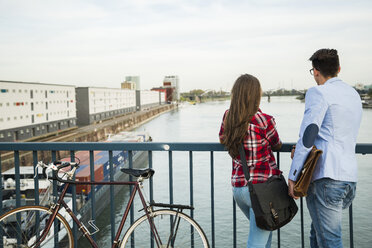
[[208, 44]]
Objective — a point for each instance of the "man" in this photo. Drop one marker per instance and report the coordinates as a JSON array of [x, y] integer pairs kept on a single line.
[[331, 121]]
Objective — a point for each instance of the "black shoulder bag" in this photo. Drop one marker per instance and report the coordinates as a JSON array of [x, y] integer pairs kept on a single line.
[[272, 206]]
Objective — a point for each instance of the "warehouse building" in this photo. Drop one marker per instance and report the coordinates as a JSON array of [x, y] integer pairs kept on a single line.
[[97, 103], [32, 109]]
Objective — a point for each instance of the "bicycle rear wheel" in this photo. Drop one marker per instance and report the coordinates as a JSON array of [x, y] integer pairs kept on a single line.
[[174, 230], [21, 227]]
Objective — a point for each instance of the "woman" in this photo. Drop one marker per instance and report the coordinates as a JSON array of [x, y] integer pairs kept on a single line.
[[244, 122]]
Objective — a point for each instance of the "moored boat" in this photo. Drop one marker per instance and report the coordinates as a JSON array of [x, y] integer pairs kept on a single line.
[[367, 103]]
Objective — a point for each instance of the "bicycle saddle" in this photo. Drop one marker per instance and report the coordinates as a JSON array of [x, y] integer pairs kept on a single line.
[[145, 173]]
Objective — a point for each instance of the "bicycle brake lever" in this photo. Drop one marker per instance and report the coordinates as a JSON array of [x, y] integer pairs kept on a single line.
[[36, 169]]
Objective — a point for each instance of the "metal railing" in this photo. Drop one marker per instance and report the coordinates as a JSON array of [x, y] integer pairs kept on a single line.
[[148, 147]]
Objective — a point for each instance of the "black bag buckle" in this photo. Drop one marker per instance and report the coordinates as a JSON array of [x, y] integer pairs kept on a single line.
[[274, 212]]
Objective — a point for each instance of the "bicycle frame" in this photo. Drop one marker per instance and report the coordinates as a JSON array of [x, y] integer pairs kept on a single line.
[[61, 203]]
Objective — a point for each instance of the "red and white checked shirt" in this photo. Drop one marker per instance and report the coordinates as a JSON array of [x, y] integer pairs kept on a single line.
[[261, 136]]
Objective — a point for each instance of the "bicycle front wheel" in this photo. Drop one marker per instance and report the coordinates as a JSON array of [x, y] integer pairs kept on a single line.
[[22, 227], [173, 230]]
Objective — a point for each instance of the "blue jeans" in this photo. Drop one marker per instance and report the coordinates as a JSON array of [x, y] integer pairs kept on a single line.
[[258, 238], [326, 198]]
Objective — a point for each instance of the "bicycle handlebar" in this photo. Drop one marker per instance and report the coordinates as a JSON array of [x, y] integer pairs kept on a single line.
[[64, 164], [55, 167]]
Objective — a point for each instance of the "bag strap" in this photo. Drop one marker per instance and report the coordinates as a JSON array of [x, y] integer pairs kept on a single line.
[[244, 162]]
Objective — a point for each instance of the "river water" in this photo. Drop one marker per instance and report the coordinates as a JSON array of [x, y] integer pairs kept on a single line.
[[201, 123]]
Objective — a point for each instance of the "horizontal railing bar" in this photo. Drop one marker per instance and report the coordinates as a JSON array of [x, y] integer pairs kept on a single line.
[[363, 148]]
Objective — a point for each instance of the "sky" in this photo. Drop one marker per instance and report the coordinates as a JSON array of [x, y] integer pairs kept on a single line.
[[207, 43]]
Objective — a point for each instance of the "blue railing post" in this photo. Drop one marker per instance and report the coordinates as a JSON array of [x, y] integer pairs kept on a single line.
[[18, 192], [74, 207], [212, 200], [302, 222], [234, 224], [351, 226], [170, 159], [17, 179], [130, 159], [92, 187], [55, 196], [36, 175], [191, 180], [151, 191], [112, 200], [278, 163], [151, 182], [36, 186]]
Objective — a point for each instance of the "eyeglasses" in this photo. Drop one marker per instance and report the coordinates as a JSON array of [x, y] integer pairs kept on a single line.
[[312, 70]]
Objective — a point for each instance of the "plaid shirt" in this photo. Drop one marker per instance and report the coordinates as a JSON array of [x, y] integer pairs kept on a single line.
[[261, 136]]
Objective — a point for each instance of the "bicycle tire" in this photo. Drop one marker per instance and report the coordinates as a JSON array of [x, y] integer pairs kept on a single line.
[[30, 225], [142, 235]]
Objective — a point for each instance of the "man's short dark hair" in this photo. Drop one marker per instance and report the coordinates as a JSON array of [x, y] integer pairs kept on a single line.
[[326, 61]]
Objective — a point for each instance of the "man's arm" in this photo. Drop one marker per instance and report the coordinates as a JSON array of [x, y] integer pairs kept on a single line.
[[315, 109]]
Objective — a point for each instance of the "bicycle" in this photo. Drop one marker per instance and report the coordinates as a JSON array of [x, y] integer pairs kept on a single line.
[[39, 226]]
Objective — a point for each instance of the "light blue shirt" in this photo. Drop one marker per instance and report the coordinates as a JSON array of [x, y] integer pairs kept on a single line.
[[336, 108]]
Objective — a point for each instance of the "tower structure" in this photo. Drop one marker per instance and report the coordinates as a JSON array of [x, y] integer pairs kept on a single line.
[[172, 84]]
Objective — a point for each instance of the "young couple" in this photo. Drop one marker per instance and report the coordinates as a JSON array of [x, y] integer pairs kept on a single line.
[[331, 122]]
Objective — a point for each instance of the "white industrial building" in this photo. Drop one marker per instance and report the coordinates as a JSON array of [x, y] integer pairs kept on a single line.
[[97, 103], [32, 109]]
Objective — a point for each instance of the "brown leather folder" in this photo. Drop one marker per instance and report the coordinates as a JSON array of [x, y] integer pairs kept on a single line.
[[303, 182]]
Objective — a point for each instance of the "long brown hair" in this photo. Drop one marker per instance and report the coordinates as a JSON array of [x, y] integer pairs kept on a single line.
[[245, 101]]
